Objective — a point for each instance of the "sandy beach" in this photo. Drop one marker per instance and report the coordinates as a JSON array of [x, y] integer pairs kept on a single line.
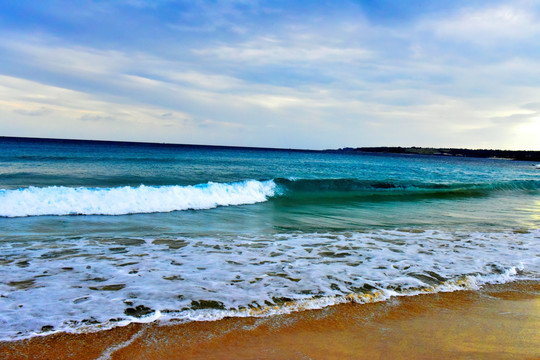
[[497, 322]]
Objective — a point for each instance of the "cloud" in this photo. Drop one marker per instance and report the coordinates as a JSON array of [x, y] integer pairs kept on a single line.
[[488, 26], [213, 16], [261, 52], [199, 80], [91, 117], [516, 119], [275, 74], [532, 106], [33, 112]]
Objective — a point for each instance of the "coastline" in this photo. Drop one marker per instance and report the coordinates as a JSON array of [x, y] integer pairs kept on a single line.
[[495, 322], [494, 154]]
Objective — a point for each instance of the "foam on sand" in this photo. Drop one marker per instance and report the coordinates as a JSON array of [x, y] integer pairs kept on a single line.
[[83, 284], [497, 322]]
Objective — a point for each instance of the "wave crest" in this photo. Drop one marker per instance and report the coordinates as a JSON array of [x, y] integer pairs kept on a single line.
[[60, 200]]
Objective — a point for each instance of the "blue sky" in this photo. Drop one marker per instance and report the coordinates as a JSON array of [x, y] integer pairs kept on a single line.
[[293, 74]]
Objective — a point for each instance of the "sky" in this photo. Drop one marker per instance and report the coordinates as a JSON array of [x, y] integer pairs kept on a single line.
[[288, 74]]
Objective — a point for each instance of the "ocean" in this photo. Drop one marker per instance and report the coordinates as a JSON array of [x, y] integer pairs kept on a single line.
[[95, 235]]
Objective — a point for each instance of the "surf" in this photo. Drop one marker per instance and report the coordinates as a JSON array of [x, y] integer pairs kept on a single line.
[[62, 200], [124, 200]]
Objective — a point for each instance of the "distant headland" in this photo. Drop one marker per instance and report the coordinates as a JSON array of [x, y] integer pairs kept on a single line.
[[479, 153]]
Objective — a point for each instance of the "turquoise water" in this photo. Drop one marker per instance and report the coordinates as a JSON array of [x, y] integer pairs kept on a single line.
[[108, 233]]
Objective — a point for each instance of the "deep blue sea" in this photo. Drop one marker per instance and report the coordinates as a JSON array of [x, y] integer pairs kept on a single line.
[[95, 234]]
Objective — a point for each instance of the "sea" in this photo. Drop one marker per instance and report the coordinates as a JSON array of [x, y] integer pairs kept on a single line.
[[95, 235]]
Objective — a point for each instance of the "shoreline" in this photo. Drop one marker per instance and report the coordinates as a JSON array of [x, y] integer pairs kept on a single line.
[[496, 322]]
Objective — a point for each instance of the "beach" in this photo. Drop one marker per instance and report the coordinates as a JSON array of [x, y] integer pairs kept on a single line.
[[496, 322], [149, 251]]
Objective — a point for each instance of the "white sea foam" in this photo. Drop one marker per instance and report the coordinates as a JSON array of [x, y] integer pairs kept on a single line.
[[72, 283], [59, 200]]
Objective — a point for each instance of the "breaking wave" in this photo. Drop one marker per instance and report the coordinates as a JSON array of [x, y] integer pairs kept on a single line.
[[60, 200]]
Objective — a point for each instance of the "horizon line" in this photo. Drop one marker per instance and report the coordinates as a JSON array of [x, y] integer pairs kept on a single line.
[[241, 146]]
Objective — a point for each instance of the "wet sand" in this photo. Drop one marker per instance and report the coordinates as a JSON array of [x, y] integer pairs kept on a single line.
[[497, 322]]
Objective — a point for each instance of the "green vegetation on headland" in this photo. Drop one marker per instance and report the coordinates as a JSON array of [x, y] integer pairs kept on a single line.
[[480, 153]]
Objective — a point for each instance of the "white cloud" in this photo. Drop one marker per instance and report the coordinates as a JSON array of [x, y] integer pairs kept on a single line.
[[46, 53], [59, 110], [487, 26], [33, 111], [200, 80], [290, 85], [257, 53]]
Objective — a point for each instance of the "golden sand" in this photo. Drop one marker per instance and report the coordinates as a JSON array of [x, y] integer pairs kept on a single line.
[[498, 322]]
